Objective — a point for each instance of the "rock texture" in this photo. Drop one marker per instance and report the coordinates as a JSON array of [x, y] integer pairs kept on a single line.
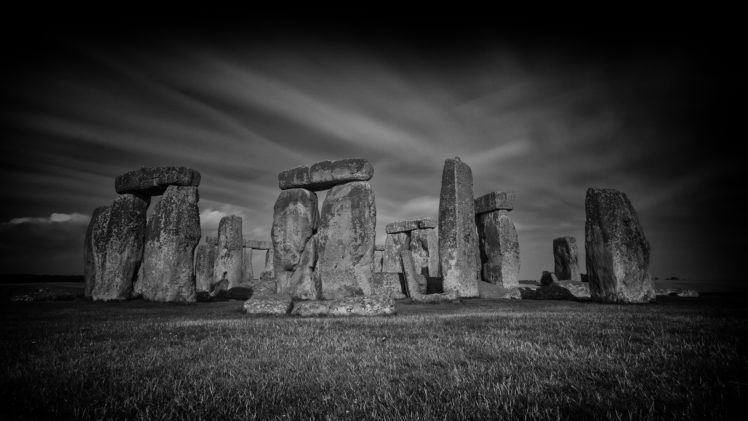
[[125, 237], [378, 258], [212, 240], [248, 270], [553, 291], [495, 201], [154, 181], [578, 289], [278, 304], [424, 243], [547, 278], [303, 284], [205, 259], [393, 245], [351, 306], [172, 235], [565, 258], [499, 248], [295, 219], [258, 244], [410, 225], [94, 248], [616, 248], [346, 241], [458, 236], [230, 261], [326, 174], [676, 292], [415, 282], [387, 284], [493, 291]]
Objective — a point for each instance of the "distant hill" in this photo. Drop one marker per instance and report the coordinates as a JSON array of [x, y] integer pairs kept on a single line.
[[18, 278]]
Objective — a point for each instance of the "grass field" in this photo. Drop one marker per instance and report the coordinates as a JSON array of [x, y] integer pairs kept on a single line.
[[678, 359]]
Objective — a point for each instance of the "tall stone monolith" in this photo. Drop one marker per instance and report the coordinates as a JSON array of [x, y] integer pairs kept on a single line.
[[230, 258], [295, 219], [499, 248], [565, 259], [346, 241], [205, 260], [125, 237], [616, 248], [94, 248], [172, 235], [458, 236], [393, 245], [424, 243]]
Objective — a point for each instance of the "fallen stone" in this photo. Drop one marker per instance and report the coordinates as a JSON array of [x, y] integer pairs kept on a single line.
[[458, 236], [565, 259], [258, 244], [171, 237], [154, 181], [387, 284], [446, 297], [499, 248], [94, 248], [494, 201], [410, 225], [326, 174], [346, 241], [677, 292], [230, 260], [239, 293], [424, 243], [553, 291], [547, 278], [393, 245], [295, 219], [617, 250], [578, 289], [351, 306], [205, 259], [125, 237], [278, 304], [493, 291], [211, 240]]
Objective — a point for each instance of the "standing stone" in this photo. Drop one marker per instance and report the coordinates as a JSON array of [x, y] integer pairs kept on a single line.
[[458, 242], [424, 243], [303, 285], [125, 235], [93, 256], [205, 260], [565, 259], [415, 282], [172, 235], [346, 241], [269, 271], [295, 219], [249, 273], [499, 248], [378, 258], [617, 250], [393, 245], [230, 259]]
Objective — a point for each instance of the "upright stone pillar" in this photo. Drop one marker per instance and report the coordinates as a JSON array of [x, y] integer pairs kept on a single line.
[[249, 274], [346, 241], [205, 260], [125, 237], [565, 259], [498, 240], [458, 242], [172, 235], [230, 260], [617, 250], [393, 245], [424, 244], [94, 248], [378, 257]]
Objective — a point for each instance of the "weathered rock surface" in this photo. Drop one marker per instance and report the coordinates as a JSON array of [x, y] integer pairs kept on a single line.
[[326, 174], [565, 258], [458, 236], [617, 250], [265, 287], [154, 181], [393, 245], [410, 225], [295, 219], [446, 297], [277, 304], [352, 306], [424, 243], [205, 259], [415, 282], [378, 258], [94, 248], [387, 284], [211, 240], [172, 235], [547, 278], [303, 284], [230, 260], [494, 201], [258, 244], [493, 291], [499, 248], [346, 241], [125, 237], [378, 247], [578, 289], [248, 270], [677, 292]]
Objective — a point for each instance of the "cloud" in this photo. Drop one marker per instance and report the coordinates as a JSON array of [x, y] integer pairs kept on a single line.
[[74, 218]]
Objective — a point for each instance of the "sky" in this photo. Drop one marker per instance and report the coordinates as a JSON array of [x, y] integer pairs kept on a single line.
[[545, 116]]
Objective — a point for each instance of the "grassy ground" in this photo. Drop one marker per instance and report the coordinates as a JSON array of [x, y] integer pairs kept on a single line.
[[678, 359]]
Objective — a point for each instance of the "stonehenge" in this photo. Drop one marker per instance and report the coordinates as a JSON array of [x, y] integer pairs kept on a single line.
[[94, 248], [616, 249], [229, 262], [565, 259], [498, 241]]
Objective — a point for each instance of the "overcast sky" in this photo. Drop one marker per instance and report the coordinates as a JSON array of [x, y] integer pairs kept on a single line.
[[542, 118]]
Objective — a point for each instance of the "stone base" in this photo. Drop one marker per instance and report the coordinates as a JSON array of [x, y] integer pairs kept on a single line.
[[578, 289], [447, 297], [271, 304], [492, 291], [353, 306]]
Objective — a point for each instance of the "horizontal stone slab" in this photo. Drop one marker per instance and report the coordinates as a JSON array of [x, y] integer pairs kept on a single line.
[[212, 240], [277, 304], [410, 225], [257, 244], [326, 174], [153, 181], [378, 247], [493, 201], [374, 305]]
